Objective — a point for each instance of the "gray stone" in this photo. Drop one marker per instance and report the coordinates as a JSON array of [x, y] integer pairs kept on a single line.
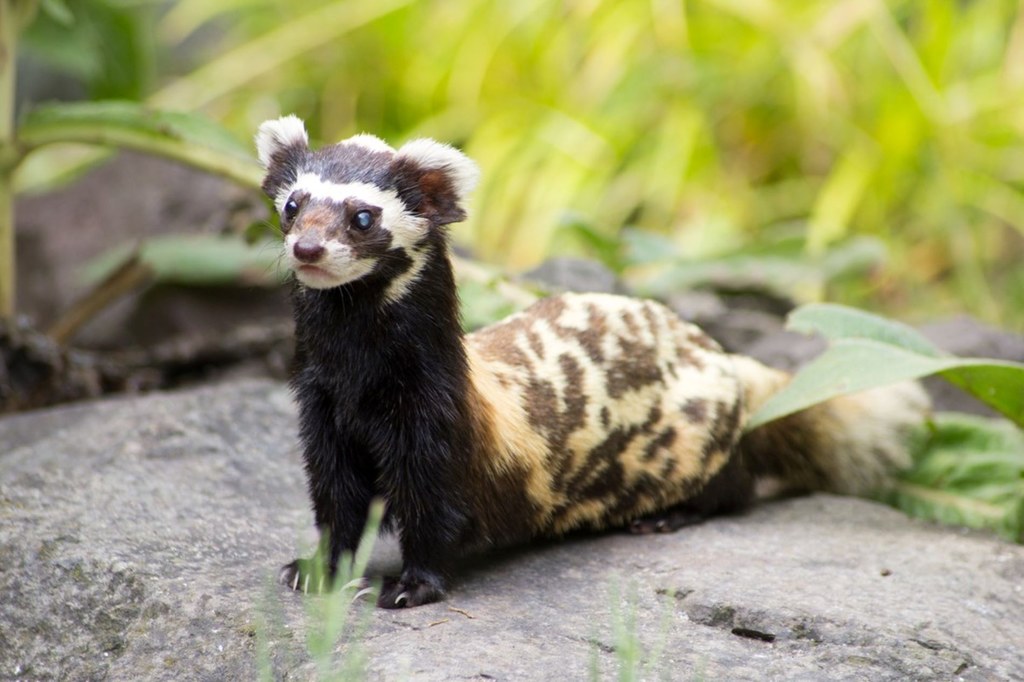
[[736, 321], [139, 539], [576, 274], [970, 337], [166, 198]]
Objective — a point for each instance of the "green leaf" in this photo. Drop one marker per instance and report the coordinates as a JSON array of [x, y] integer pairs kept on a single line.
[[107, 46], [643, 247], [835, 321], [188, 138], [604, 247], [200, 260], [58, 11], [870, 351], [482, 304], [968, 471], [853, 257]]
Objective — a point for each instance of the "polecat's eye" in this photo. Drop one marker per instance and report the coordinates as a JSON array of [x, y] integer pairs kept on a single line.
[[291, 209], [362, 220]]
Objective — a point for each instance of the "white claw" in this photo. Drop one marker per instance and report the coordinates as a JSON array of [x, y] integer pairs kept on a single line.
[[401, 598], [305, 584], [361, 583], [295, 583], [362, 592], [320, 586]]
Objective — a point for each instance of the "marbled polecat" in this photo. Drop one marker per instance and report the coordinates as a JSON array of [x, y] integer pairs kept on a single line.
[[584, 411]]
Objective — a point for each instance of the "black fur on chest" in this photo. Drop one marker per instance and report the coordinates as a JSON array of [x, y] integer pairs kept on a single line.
[[389, 379]]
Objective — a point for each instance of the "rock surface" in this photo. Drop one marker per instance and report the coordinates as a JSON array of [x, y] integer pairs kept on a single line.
[[166, 199], [139, 539]]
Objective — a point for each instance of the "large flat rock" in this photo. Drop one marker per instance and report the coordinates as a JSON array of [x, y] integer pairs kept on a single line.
[[139, 539]]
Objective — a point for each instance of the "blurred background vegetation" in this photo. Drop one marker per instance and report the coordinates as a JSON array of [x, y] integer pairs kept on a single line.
[[862, 151]]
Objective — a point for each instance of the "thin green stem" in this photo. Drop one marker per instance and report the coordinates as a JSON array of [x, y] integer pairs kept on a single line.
[[8, 49]]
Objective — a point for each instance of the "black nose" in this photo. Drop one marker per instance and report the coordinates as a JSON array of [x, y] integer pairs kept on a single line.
[[308, 250]]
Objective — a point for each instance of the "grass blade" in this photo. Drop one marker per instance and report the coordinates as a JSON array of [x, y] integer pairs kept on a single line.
[[249, 61]]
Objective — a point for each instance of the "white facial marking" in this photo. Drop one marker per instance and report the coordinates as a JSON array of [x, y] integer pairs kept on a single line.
[[278, 133], [401, 284], [337, 266], [406, 229]]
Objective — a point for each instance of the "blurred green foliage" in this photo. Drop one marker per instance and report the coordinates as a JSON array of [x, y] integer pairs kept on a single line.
[[967, 471], [108, 46], [724, 132]]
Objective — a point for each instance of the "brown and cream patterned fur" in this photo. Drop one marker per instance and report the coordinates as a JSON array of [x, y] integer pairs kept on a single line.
[[585, 411], [607, 409]]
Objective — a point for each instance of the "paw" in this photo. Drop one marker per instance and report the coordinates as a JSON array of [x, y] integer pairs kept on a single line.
[[403, 593], [303, 575]]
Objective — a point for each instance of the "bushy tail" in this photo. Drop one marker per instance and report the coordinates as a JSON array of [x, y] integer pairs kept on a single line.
[[849, 445]]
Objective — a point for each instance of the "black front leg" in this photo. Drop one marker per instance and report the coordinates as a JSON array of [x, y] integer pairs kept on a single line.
[[340, 479], [426, 500]]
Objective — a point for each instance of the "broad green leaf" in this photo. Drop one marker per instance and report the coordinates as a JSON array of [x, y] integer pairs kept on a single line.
[[838, 322], [969, 471], [198, 260], [852, 365], [871, 351], [188, 138]]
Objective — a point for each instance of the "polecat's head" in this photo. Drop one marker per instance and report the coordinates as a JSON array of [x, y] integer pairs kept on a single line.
[[360, 207]]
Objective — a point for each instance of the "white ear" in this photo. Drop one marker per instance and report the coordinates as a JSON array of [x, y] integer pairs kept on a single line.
[[461, 170], [277, 134]]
